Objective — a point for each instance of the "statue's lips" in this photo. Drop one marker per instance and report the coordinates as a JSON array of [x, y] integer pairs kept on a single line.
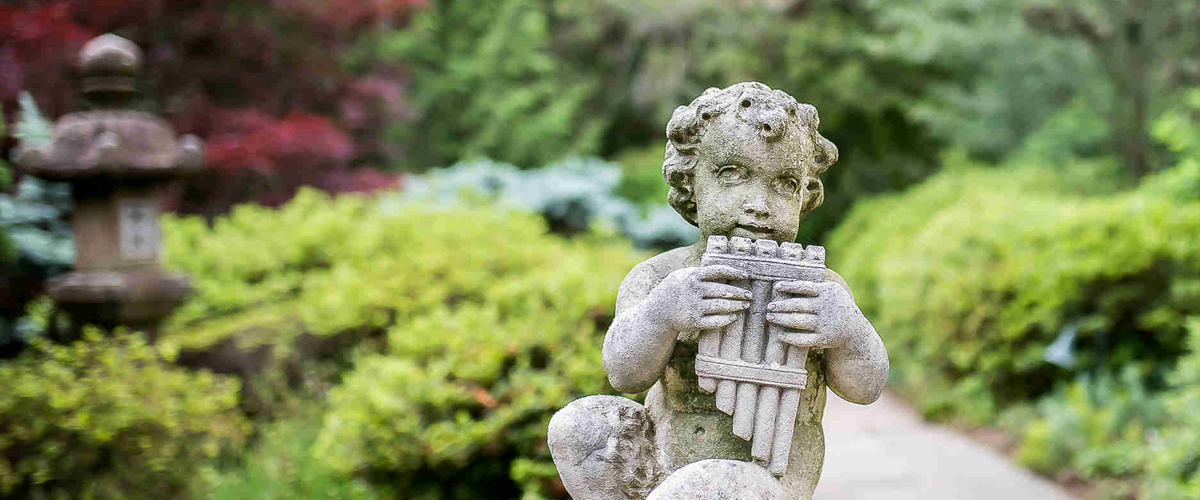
[[755, 231]]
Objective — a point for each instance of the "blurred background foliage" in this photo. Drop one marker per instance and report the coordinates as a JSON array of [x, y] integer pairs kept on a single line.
[[414, 215]]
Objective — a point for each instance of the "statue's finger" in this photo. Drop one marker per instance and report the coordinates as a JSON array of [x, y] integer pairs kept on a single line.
[[723, 306], [806, 288], [723, 291], [797, 321], [796, 305], [809, 340], [719, 272], [716, 321]]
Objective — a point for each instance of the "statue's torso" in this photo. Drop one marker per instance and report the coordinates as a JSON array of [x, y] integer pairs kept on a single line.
[[688, 427]]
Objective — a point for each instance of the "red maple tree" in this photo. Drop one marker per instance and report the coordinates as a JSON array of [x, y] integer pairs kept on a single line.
[[261, 82]]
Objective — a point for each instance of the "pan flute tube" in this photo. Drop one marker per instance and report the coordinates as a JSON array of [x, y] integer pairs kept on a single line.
[[753, 342], [710, 340], [731, 348], [768, 399], [710, 345], [785, 425]]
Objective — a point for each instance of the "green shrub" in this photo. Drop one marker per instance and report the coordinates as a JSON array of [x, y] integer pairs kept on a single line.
[[1179, 132], [326, 265], [108, 418], [1097, 427], [492, 324], [642, 181], [36, 242], [458, 405], [970, 276], [281, 466], [266, 275], [1175, 467], [1136, 443]]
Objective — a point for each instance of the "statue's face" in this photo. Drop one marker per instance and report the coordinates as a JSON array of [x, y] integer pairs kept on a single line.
[[746, 186]]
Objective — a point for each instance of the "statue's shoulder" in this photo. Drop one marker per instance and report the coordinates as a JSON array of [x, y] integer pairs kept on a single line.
[[648, 274], [831, 275], [659, 266]]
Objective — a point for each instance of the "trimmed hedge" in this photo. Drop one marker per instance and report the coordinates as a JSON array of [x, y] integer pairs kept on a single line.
[[971, 276]]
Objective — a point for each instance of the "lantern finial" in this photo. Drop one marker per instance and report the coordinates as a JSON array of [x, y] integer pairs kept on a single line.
[[110, 66]]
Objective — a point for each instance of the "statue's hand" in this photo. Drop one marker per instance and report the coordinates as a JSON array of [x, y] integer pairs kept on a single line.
[[823, 313], [694, 298]]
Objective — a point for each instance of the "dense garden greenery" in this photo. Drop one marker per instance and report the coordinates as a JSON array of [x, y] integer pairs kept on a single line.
[[982, 270], [472, 326], [1014, 297], [108, 418], [1017, 208]]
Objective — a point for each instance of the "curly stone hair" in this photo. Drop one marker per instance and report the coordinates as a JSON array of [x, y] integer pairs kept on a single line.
[[769, 111]]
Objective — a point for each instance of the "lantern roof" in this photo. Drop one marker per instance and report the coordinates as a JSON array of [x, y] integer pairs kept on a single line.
[[113, 139]]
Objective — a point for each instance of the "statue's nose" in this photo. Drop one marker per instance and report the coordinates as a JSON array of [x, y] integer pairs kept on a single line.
[[756, 206]]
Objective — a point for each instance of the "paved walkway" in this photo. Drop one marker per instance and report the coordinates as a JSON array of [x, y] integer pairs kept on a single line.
[[885, 452]]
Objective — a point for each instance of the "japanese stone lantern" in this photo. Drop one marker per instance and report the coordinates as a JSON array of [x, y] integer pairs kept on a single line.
[[117, 160]]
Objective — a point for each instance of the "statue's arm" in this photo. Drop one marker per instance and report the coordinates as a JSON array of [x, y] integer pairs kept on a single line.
[[658, 299], [858, 370], [637, 345]]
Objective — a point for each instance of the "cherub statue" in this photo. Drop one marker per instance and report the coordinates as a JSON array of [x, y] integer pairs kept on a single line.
[[741, 162]]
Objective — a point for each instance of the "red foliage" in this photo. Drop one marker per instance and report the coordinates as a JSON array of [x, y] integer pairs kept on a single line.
[[246, 150], [363, 180], [345, 16], [37, 46], [259, 81]]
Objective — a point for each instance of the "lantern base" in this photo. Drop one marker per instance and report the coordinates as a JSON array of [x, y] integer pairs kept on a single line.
[[107, 298]]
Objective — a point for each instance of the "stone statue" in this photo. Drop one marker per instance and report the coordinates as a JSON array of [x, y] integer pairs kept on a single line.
[[737, 336]]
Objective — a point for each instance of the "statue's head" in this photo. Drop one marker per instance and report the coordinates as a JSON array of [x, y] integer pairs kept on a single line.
[[744, 161]]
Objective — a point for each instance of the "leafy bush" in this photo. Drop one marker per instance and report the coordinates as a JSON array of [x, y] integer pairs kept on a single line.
[[642, 180], [108, 418], [36, 241], [243, 287], [477, 363], [492, 325], [1179, 132], [36, 218], [281, 466], [321, 244], [1131, 441], [1097, 427], [972, 275], [1175, 466]]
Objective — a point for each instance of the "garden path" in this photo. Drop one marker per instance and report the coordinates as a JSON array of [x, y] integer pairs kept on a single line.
[[885, 451]]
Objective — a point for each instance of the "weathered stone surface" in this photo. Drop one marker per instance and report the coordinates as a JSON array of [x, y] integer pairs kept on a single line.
[[716, 479], [112, 140], [116, 159], [604, 448], [770, 326]]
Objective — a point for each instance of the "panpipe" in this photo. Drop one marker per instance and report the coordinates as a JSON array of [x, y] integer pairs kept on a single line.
[[756, 377]]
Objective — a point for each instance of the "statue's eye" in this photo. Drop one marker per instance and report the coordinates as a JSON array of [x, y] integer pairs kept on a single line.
[[788, 185], [732, 173]]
